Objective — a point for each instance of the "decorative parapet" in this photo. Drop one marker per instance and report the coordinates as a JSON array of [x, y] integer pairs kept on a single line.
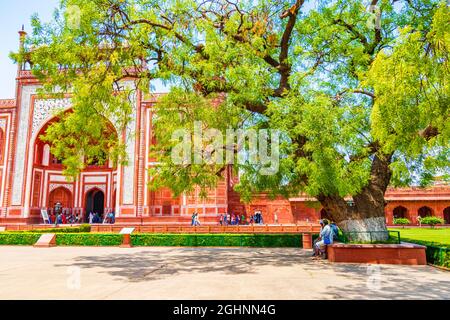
[[7, 103]]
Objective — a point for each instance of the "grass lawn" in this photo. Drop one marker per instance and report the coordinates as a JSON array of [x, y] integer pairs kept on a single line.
[[441, 235]]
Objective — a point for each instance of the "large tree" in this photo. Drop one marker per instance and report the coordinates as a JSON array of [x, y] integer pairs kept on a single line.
[[359, 92]]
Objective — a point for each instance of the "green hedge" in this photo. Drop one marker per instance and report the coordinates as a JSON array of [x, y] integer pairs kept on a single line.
[[151, 239], [88, 239], [437, 253], [21, 239], [217, 240], [82, 228]]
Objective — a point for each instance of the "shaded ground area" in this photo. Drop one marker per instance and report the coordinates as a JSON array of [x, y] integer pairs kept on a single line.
[[205, 273]]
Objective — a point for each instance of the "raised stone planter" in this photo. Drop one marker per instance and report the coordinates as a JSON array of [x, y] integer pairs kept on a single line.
[[404, 253]]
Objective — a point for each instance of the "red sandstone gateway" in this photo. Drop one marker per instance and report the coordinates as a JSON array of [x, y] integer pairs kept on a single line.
[[31, 178]]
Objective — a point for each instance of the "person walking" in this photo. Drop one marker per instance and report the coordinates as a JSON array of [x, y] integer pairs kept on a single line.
[[197, 220], [193, 219]]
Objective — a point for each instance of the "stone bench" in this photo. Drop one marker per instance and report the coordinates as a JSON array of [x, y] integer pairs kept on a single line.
[[404, 253]]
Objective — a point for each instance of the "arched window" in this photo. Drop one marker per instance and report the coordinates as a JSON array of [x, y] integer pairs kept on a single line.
[[46, 155], [99, 161], [55, 160], [447, 215], [60, 195], [400, 212], [425, 212]]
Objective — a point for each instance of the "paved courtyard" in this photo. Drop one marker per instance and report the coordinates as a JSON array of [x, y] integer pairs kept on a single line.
[[205, 273]]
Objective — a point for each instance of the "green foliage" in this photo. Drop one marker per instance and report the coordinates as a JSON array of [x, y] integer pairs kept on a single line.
[[344, 93], [88, 239], [401, 221], [412, 87], [432, 221], [82, 228], [150, 239], [217, 240], [23, 239]]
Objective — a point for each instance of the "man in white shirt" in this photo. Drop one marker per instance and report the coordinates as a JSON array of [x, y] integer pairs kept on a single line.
[[326, 238]]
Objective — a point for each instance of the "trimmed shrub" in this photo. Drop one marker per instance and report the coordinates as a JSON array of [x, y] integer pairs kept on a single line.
[[432, 221], [401, 221], [82, 228], [88, 239], [217, 240], [166, 239], [21, 239]]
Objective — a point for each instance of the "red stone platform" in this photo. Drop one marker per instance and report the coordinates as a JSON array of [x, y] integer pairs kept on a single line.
[[404, 253], [181, 228]]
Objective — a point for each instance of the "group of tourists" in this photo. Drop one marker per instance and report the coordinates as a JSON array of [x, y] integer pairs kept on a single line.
[[64, 218], [328, 233], [227, 219], [97, 218], [60, 215], [257, 218]]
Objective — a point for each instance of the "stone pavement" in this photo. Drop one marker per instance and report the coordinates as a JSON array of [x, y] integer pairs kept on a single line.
[[205, 273]]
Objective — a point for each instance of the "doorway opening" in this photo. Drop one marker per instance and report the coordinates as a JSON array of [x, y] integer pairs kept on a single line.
[[95, 203]]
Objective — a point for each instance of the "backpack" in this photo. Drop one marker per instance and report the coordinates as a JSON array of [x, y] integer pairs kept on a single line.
[[335, 231], [329, 239]]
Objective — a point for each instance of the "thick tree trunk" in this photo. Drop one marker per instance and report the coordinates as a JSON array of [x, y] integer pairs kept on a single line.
[[363, 219]]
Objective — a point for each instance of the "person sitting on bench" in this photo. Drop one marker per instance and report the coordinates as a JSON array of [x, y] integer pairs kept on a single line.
[[326, 238]]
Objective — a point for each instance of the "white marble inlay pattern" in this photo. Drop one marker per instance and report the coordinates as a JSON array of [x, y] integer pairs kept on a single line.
[[22, 142], [92, 186], [95, 179], [3, 123], [44, 110], [128, 170], [57, 178], [54, 186]]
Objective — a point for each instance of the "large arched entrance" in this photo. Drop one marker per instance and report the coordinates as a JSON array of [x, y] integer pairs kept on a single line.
[[447, 215], [44, 163], [61, 195], [400, 212], [425, 212], [94, 202]]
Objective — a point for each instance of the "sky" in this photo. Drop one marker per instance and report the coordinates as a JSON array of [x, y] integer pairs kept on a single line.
[[14, 13]]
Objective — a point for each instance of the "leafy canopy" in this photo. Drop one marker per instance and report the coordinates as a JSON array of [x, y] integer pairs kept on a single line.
[[347, 85]]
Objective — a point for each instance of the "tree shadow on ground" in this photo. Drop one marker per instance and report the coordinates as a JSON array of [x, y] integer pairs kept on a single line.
[[399, 282], [368, 281], [156, 265]]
